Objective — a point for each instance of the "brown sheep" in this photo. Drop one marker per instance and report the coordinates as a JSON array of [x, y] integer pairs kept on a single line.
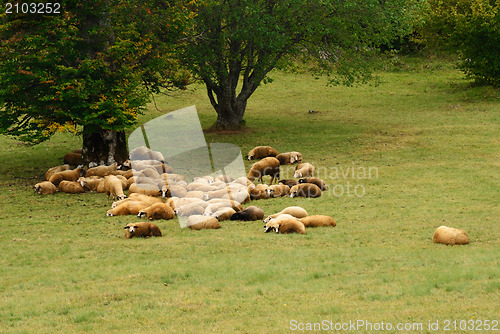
[[44, 188], [303, 170], [90, 183], [157, 211], [267, 166], [295, 211], [285, 226], [249, 214], [260, 152], [289, 182], [278, 190], [258, 192], [145, 153], [450, 236], [56, 169], [223, 214], [145, 198], [70, 187], [127, 208], [67, 175], [73, 159], [199, 222], [289, 158], [145, 189], [317, 181], [113, 187], [305, 190], [102, 170], [318, 220], [142, 230]]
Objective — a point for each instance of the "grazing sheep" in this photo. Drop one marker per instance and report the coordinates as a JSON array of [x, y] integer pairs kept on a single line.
[[295, 211], [450, 236], [303, 170], [289, 158], [318, 220], [305, 190], [145, 189], [73, 159], [317, 181], [67, 175], [56, 169], [267, 166], [284, 226], [278, 190], [44, 188], [260, 152], [102, 170], [142, 230], [200, 222], [258, 192], [223, 214], [127, 208], [289, 182], [157, 211], [70, 187], [113, 187], [249, 214], [90, 183]]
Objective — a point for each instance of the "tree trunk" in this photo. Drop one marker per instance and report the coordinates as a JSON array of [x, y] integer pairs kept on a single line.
[[104, 147], [230, 110]]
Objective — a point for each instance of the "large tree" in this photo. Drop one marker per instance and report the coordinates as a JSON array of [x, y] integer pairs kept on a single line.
[[235, 44], [88, 68]]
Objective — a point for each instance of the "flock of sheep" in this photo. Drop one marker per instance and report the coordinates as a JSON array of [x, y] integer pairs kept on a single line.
[[155, 191]]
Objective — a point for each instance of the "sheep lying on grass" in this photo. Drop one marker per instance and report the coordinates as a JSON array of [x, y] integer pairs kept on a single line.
[[102, 170], [314, 180], [289, 158], [295, 211], [285, 226], [450, 236], [66, 175], [249, 214], [200, 222], [305, 190], [318, 220], [303, 170], [44, 188], [142, 230], [157, 211], [278, 190], [127, 208], [56, 169], [70, 187], [260, 152]]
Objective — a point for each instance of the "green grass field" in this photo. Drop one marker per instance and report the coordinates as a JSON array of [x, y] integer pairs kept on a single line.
[[432, 145]]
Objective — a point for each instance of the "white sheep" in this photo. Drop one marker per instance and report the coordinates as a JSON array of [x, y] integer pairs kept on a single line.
[[450, 236]]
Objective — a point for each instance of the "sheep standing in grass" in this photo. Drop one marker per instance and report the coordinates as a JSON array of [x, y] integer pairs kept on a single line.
[[267, 166], [142, 230], [113, 187], [260, 152], [450, 236], [45, 187], [318, 220], [303, 170], [285, 226], [305, 190]]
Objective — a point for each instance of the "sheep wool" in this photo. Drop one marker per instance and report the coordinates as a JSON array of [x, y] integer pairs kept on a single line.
[[56, 169], [318, 220], [278, 190], [113, 187], [303, 170], [317, 181], [295, 211], [142, 230], [249, 214], [200, 222], [450, 236], [102, 170], [70, 187], [44, 188], [259, 152]]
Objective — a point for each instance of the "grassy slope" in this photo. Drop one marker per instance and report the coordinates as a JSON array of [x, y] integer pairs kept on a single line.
[[435, 145]]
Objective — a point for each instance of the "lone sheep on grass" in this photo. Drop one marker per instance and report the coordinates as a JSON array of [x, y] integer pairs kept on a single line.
[[450, 236], [142, 230], [44, 188]]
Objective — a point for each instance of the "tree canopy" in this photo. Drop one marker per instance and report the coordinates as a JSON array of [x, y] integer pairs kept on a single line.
[[87, 69], [237, 43]]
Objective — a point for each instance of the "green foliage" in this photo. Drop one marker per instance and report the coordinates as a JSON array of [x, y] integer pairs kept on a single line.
[[92, 65], [473, 29]]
